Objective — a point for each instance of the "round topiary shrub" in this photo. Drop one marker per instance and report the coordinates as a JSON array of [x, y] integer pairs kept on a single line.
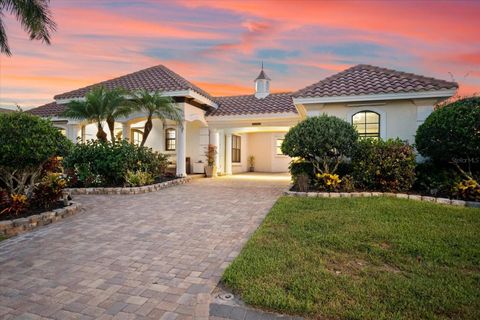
[[27, 142], [452, 133], [323, 141]]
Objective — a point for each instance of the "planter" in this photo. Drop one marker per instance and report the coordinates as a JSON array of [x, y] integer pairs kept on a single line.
[[210, 171], [252, 169], [461, 203], [127, 190], [10, 228]]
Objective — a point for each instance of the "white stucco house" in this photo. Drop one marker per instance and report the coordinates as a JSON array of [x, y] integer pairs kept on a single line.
[[379, 102]]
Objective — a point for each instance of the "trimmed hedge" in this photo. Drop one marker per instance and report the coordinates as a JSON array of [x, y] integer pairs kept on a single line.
[[387, 166], [104, 164]]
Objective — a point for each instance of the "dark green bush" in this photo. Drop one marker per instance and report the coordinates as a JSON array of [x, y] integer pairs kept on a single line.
[[435, 179], [384, 165], [324, 141], [302, 173], [302, 167], [27, 142], [451, 134], [96, 163]]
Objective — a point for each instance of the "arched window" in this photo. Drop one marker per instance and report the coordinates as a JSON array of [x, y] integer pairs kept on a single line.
[[170, 139], [367, 124]]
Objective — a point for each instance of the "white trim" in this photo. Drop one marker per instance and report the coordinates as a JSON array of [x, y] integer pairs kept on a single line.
[[376, 97], [264, 116], [382, 113]]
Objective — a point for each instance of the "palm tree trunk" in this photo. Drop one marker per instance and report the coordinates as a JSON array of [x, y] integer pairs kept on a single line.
[[146, 130], [101, 135], [111, 127]]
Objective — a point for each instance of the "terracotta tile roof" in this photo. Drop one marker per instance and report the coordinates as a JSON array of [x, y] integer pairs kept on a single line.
[[366, 79], [249, 104], [154, 78], [48, 110]]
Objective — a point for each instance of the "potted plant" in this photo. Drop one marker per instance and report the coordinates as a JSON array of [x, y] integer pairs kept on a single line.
[[211, 168], [251, 161]]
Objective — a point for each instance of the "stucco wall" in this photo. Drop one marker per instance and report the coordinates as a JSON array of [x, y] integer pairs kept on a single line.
[[262, 146], [399, 118]]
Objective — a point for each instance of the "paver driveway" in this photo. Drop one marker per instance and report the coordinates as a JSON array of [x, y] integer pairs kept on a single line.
[[155, 255]]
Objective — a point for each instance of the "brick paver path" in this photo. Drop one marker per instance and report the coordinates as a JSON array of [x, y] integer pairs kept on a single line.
[[146, 256]]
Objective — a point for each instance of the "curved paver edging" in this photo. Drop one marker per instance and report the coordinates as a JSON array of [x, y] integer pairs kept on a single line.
[[9, 228], [127, 190], [417, 197]]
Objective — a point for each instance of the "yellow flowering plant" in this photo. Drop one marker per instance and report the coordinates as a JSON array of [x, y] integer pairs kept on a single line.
[[15, 204], [328, 181], [467, 190]]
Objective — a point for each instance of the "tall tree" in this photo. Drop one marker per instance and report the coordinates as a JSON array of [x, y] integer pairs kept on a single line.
[[155, 104], [34, 16], [100, 105]]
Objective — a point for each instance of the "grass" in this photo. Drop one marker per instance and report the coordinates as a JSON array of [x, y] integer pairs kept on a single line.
[[362, 258]]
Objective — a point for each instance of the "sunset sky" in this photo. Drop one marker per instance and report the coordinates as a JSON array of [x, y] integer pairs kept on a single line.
[[219, 45]]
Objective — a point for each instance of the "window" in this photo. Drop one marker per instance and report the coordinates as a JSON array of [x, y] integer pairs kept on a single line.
[[236, 148], [367, 124], [278, 146], [170, 139], [137, 136]]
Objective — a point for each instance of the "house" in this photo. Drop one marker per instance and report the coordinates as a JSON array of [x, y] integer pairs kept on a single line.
[[379, 102]]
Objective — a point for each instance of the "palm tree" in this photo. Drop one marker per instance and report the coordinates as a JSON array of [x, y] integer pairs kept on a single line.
[[116, 106], [155, 104], [34, 16], [100, 105]]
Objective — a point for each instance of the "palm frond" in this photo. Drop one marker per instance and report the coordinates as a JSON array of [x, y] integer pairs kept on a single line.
[[4, 48], [35, 17]]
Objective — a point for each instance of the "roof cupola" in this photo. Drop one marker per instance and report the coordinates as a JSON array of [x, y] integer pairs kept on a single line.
[[262, 85]]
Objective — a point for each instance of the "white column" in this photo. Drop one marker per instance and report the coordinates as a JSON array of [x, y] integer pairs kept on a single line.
[[73, 132], [228, 153], [215, 140], [180, 148], [126, 131]]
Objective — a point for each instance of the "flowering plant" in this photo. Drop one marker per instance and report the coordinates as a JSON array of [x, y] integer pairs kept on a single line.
[[328, 181], [467, 190]]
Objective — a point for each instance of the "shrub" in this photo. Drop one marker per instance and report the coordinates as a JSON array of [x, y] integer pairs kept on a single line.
[[305, 169], [328, 182], [301, 166], [323, 141], [451, 134], [14, 204], [49, 191], [96, 163], [138, 178], [27, 143], [467, 190], [384, 165], [435, 179], [301, 182]]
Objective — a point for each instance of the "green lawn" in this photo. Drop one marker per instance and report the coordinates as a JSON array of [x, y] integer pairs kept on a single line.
[[363, 258]]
